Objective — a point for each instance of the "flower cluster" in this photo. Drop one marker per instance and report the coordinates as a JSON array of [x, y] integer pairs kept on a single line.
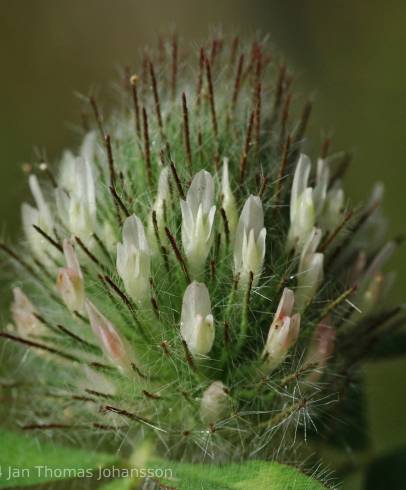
[[189, 274]]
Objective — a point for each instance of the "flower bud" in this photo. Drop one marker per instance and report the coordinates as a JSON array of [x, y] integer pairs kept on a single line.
[[69, 280], [38, 216], [67, 178], [228, 200], [249, 246], [328, 203], [320, 350], [300, 180], [77, 207], [378, 262], [23, 312], [89, 145], [302, 209], [373, 283], [358, 267], [197, 221], [162, 201], [133, 259], [303, 218], [115, 347], [310, 274], [333, 210], [320, 189], [215, 403], [197, 323], [375, 228], [372, 294], [283, 332]]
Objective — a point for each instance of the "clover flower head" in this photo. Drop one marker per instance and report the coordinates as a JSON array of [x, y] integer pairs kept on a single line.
[[156, 255]]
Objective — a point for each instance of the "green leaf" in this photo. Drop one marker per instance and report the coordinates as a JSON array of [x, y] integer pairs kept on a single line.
[[387, 471], [26, 458], [23, 460], [252, 475]]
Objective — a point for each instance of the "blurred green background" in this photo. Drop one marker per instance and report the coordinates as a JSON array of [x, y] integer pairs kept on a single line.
[[350, 53]]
